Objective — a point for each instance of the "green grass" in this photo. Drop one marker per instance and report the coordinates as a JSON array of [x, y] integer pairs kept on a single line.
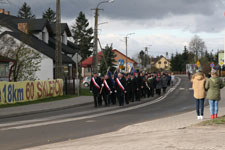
[[83, 92], [45, 100], [214, 122]]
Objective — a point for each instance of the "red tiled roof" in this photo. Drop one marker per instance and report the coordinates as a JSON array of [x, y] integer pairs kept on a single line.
[[115, 50], [88, 62]]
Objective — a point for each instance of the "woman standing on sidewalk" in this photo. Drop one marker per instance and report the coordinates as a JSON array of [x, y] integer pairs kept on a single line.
[[213, 86], [199, 80]]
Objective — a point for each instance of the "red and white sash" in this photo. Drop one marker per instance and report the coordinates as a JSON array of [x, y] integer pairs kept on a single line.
[[107, 86], [95, 83], [120, 85]]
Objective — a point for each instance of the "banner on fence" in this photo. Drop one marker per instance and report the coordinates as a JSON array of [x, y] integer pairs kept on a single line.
[[12, 92]]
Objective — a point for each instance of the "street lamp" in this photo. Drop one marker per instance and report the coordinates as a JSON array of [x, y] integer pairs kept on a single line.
[[126, 37], [95, 50]]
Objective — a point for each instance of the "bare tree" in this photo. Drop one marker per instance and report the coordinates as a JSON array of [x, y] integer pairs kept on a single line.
[[197, 46], [27, 60]]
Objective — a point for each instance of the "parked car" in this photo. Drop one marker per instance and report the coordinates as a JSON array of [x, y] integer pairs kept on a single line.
[[86, 81]]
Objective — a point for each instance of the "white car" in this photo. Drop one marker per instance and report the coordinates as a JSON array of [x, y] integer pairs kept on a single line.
[[86, 81]]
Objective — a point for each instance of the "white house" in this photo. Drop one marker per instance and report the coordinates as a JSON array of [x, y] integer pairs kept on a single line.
[[39, 35]]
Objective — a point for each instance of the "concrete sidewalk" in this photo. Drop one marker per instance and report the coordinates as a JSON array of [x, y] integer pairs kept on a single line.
[[44, 107], [178, 132]]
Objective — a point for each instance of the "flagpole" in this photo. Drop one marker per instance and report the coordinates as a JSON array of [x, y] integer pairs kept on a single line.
[[104, 80]]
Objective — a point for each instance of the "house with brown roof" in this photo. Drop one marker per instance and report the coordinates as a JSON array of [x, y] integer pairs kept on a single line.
[[161, 63], [39, 35], [120, 58]]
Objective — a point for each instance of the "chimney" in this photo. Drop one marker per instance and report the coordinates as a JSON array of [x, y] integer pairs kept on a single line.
[[7, 12], [23, 27], [2, 11]]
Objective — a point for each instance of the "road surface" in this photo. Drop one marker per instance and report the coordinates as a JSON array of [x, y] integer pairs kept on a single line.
[[61, 125]]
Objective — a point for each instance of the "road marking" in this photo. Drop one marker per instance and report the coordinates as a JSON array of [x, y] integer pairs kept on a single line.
[[56, 117], [90, 121], [95, 115], [186, 89]]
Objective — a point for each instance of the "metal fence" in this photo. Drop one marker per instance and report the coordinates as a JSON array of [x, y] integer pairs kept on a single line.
[[69, 86]]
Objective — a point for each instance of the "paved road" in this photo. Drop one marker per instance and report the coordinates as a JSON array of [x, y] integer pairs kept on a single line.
[[44, 128]]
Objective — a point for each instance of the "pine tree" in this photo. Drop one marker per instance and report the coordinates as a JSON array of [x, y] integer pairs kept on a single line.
[[141, 57], [109, 59], [25, 12], [50, 15], [83, 36]]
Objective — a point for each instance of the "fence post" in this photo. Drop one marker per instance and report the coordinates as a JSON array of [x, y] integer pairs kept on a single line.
[[66, 85], [74, 92]]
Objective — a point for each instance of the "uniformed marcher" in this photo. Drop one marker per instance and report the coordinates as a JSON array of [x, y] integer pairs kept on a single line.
[[146, 86], [133, 87], [95, 87], [152, 85], [120, 84], [113, 95], [141, 81], [158, 84], [107, 90], [138, 87], [127, 95], [100, 98], [164, 82]]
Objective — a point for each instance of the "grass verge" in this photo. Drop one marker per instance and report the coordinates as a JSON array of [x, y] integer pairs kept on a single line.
[[83, 92], [45, 100], [215, 122]]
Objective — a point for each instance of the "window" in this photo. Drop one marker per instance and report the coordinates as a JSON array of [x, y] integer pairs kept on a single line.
[[4, 70], [165, 62], [159, 62]]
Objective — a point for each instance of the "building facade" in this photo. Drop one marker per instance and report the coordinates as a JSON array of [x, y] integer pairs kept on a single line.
[[120, 60], [161, 63], [39, 35]]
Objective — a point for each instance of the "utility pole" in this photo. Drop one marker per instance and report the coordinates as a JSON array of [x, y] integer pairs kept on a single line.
[[126, 51], [95, 50], [58, 52], [126, 45], [146, 54]]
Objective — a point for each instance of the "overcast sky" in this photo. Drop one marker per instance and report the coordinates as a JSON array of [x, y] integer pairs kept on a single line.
[[167, 25]]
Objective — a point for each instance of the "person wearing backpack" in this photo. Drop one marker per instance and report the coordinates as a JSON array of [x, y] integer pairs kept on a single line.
[[213, 86]]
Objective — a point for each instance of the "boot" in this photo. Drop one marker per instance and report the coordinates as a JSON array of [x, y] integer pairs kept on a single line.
[[215, 115], [212, 116]]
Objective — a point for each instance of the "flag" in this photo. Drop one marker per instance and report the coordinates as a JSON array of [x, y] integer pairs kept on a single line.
[[132, 70], [110, 77]]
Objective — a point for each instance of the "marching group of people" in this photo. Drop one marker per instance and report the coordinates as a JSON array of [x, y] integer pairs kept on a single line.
[[125, 88]]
